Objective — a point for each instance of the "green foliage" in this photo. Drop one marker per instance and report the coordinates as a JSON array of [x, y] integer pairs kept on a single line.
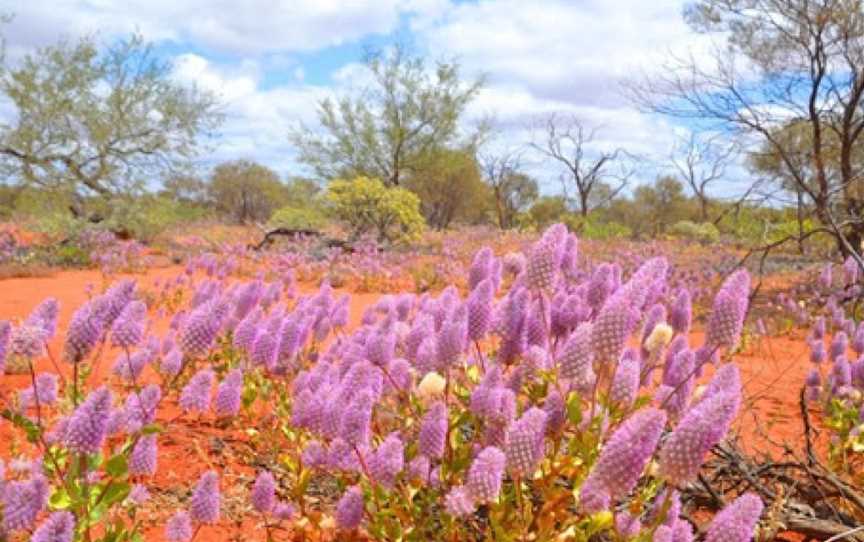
[[367, 206], [705, 232], [91, 121], [246, 191], [386, 130], [146, 217], [593, 227], [450, 188], [298, 218], [547, 210]]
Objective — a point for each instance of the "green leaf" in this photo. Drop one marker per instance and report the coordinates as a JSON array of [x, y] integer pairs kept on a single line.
[[152, 429], [574, 409], [117, 466]]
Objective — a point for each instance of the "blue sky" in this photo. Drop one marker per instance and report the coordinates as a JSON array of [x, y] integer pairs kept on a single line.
[[270, 61]]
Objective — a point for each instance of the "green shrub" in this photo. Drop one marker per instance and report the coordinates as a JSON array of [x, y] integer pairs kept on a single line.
[[366, 206], [704, 232], [298, 218]]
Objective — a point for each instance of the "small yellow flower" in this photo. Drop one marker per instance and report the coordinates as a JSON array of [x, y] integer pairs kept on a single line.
[[431, 386]]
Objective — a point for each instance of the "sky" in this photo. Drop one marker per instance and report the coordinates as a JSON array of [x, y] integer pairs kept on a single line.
[[270, 61]]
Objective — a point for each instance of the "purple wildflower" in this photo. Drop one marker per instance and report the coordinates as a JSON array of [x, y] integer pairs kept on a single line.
[[59, 527], [524, 448], [356, 419], [263, 495], [349, 509], [179, 527], [228, 394], [577, 358], [387, 461], [737, 521], [485, 474], [83, 333], [459, 502], [88, 424], [698, 431], [480, 310], [195, 395], [625, 382], [204, 504], [5, 332], [143, 459], [44, 316], [625, 454], [433, 431], [128, 329], [22, 501], [283, 511], [27, 341]]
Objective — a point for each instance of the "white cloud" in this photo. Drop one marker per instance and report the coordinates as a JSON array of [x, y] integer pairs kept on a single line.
[[227, 26]]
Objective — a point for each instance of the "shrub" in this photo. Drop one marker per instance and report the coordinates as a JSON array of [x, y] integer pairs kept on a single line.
[[705, 232], [368, 206], [298, 218]]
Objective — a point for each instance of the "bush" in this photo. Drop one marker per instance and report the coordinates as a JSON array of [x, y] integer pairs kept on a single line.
[[298, 218], [705, 232], [367, 206], [592, 228]]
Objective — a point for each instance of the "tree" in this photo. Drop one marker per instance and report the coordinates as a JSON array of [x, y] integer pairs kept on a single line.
[[660, 205], [512, 191], [185, 188], [565, 140], [798, 61], [369, 206], [449, 187], [98, 123], [547, 210], [386, 130], [246, 191], [701, 162]]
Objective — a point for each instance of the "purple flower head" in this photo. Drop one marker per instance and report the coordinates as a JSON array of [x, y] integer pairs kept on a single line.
[[46, 390], [171, 363], [841, 374], [729, 310], [524, 448], [459, 502], [356, 419], [480, 310], [577, 358], [27, 341], [130, 366], [143, 459], [485, 474], [858, 339], [737, 521], [44, 316], [655, 315], [349, 509], [612, 326], [625, 382], [839, 344], [247, 330], [433, 431], [204, 504], [678, 382], [817, 352], [263, 495], [625, 454], [83, 333], [199, 331], [228, 394], [556, 412], [699, 430], [380, 348], [283, 511], [727, 379], [128, 329], [452, 338], [88, 424], [179, 527], [542, 267], [265, 348], [387, 461], [813, 380], [627, 525], [59, 527], [22, 501], [195, 396], [818, 331], [481, 267]]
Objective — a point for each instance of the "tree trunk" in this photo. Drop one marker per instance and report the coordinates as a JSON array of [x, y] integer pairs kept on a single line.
[[800, 219]]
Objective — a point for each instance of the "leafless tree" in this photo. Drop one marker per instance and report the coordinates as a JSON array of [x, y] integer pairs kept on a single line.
[[565, 140], [512, 189], [700, 162], [786, 64]]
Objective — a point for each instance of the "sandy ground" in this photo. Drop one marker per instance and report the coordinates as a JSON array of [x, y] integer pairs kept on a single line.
[[773, 370]]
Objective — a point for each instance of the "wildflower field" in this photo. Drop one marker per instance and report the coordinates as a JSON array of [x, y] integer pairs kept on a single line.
[[526, 388]]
